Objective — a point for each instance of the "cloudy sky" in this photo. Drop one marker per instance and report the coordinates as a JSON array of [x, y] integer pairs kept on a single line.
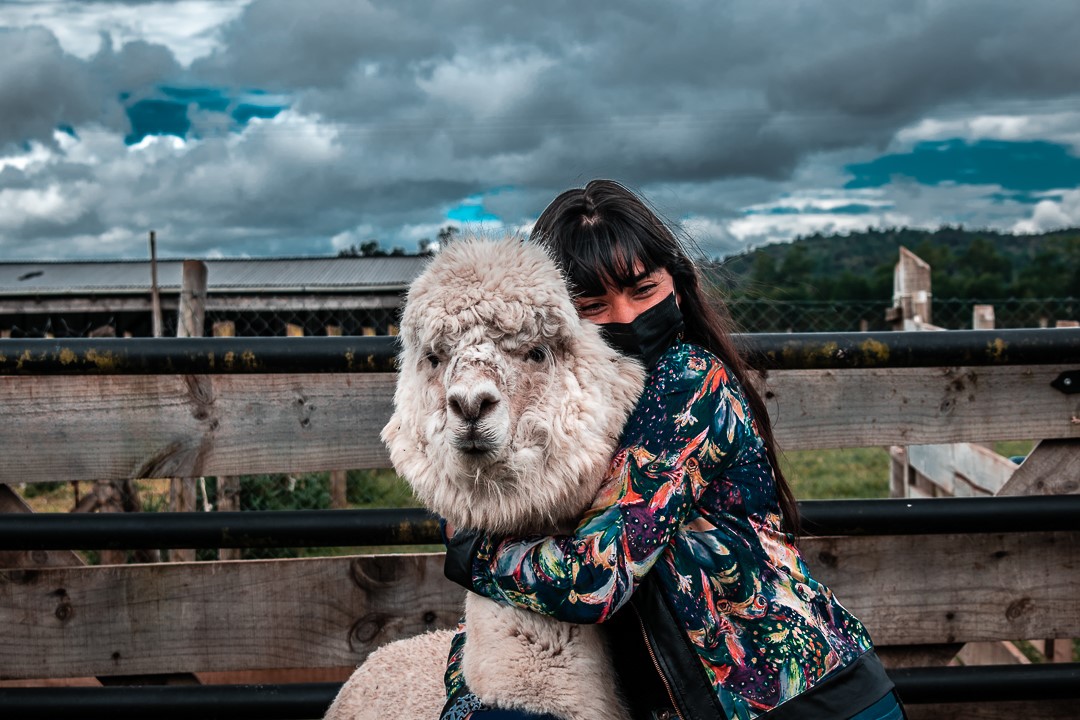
[[276, 127]]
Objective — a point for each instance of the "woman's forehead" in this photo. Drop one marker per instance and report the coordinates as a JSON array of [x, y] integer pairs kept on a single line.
[[615, 269]]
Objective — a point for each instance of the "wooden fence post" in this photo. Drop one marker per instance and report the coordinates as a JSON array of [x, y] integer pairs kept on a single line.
[[911, 291], [191, 321], [338, 484], [982, 317], [228, 486], [155, 296]]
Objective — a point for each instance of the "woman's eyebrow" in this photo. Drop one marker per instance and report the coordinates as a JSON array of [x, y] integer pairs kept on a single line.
[[643, 275]]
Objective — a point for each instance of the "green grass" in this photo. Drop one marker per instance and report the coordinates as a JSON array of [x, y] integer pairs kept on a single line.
[[833, 474], [812, 474]]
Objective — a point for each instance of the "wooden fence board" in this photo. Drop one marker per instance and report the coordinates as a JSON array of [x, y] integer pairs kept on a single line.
[[112, 427], [954, 588], [962, 469], [1052, 468], [330, 612], [241, 615], [913, 406]]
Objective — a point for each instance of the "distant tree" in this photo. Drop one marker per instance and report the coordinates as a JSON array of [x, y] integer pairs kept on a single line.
[[1054, 271], [370, 248], [795, 273], [982, 258], [763, 275], [448, 234]]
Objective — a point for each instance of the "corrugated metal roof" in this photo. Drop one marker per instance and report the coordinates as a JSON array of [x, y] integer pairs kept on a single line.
[[306, 274]]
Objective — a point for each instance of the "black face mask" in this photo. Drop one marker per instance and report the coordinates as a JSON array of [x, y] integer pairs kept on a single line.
[[647, 336]]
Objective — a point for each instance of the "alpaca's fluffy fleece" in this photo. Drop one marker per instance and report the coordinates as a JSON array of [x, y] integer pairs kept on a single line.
[[492, 324], [506, 414], [402, 679]]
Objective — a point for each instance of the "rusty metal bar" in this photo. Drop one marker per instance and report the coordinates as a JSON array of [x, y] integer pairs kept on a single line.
[[195, 356], [821, 351], [415, 526]]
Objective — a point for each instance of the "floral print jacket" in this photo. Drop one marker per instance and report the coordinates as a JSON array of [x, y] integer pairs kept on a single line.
[[691, 498]]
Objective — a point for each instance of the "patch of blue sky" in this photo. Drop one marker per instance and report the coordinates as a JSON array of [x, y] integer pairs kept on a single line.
[[243, 112], [1028, 166], [167, 114], [1025, 198], [848, 209], [211, 99], [157, 117], [471, 212]]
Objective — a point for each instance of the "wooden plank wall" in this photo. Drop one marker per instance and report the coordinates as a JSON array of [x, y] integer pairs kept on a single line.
[[112, 427], [330, 612]]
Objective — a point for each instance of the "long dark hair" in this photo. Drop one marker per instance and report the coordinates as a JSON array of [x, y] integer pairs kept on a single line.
[[598, 234]]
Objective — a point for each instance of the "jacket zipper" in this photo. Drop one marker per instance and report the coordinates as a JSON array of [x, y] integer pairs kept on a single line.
[[656, 663]]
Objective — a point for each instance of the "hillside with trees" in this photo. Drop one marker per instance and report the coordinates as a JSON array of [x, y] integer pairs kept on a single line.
[[982, 264]]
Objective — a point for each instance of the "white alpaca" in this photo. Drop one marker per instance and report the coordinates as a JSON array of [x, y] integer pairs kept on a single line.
[[506, 414]]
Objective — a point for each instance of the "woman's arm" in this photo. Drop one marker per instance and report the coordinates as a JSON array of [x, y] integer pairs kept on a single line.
[[681, 433]]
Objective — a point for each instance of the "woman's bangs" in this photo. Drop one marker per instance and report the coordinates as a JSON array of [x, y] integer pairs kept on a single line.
[[602, 260]]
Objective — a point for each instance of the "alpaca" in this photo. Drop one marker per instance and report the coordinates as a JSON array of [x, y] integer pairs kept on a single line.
[[506, 413]]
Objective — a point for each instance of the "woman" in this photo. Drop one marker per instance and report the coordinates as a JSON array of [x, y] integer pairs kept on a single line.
[[691, 561]]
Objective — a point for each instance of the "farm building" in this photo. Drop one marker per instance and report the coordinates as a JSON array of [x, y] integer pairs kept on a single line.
[[260, 296]]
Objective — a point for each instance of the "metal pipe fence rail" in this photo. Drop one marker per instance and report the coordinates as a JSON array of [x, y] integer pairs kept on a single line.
[[354, 528], [770, 351], [917, 686], [351, 528]]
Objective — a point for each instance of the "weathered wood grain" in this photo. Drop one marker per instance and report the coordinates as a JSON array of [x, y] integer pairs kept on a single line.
[[330, 612], [110, 427], [168, 618], [1052, 468], [908, 656], [912, 406], [962, 469], [84, 428], [12, 502], [954, 588]]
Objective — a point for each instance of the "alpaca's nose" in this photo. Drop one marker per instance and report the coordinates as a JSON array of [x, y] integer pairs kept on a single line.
[[472, 405]]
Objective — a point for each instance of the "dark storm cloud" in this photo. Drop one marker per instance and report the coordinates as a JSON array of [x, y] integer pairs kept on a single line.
[[41, 87], [429, 103], [651, 91]]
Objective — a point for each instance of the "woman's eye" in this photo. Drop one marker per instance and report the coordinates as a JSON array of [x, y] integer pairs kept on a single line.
[[433, 359], [590, 309], [537, 354], [645, 289]]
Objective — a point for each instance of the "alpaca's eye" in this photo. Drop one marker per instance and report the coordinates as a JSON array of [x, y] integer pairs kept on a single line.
[[433, 359], [537, 354]]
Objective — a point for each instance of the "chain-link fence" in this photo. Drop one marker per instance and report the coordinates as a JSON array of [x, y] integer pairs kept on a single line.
[[382, 488], [264, 323], [770, 316], [241, 323]]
